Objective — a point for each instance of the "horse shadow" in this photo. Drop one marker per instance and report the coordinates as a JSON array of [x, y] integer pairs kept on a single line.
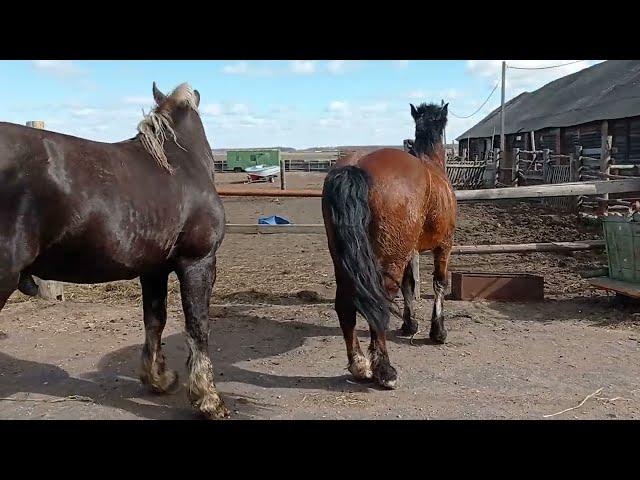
[[237, 336]]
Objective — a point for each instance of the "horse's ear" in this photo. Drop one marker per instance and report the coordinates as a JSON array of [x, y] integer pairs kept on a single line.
[[444, 110], [414, 112], [197, 93], [158, 96]]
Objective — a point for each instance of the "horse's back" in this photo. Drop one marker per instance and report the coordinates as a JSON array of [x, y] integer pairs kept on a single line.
[[409, 197], [94, 212]]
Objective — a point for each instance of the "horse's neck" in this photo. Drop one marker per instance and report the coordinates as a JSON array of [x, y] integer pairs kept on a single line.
[[436, 154]]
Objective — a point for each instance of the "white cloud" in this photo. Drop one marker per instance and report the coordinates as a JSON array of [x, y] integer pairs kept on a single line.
[[518, 81], [400, 64], [58, 68], [336, 67], [378, 107], [302, 67], [417, 95], [237, 68], [239, 109], [338, 106], [140, 100], [211, 109], [434, 95], [84, 112], [245, 68]]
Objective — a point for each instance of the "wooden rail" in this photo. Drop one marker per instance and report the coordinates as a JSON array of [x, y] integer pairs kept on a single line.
[[311, 229], [600, 187]]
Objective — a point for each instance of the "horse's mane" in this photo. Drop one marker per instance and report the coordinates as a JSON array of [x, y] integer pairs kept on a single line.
[[157, 124], [431, 120], [428, 108]]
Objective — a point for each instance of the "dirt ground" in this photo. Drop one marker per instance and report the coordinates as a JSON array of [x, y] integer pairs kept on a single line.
[[278, 351]]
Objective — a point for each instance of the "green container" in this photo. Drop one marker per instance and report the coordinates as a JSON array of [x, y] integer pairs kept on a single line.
[[622, 239], [238, 160]]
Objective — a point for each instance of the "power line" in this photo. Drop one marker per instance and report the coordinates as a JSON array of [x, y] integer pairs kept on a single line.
[[543, 68], [480, 108]]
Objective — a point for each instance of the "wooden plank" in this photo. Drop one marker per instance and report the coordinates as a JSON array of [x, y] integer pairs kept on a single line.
[[555, 190], [314, 229], [250, 229], [605, 157], [283, 182], [266, 192], [626, 288], [535, 191], [527, 247], [592, 151]]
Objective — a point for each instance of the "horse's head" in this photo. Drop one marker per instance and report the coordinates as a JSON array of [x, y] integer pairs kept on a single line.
[[431, 119], [175, 118]]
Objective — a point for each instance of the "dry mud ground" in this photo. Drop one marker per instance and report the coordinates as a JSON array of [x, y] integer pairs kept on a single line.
[[278, 351]]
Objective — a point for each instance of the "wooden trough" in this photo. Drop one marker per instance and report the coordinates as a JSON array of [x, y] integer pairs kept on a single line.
[[497, 286]]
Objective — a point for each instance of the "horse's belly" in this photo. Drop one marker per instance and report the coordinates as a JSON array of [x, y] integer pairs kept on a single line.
[[85, 261]]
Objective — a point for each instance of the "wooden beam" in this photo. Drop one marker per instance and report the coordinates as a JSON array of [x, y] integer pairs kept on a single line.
[[314, 229], [554, 190], [266, 192], [250, 229], [605, 156], [571, 189], [283, 181], [528, 247]]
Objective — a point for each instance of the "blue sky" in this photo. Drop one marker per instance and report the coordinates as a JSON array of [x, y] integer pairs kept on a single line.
[[298, 103]]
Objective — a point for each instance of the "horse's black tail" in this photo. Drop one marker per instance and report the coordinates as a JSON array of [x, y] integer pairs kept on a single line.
[[346, 200]]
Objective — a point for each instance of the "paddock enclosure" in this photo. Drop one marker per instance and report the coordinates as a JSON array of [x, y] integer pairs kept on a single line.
[[277, 348]]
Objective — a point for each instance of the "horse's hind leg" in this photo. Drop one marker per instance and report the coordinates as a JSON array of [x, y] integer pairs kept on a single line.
[[359, 365], [383, 372], [409, 322], [440, 262], [154, 300], [196, 282]]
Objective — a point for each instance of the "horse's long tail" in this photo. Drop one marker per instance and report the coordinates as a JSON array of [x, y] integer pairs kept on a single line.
[[346, 200]]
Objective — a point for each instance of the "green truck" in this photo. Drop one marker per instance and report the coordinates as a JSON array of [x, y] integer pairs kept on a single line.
[[238, 160]]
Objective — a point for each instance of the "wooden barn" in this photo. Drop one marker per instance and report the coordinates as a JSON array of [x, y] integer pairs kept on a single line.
[[577, 110]]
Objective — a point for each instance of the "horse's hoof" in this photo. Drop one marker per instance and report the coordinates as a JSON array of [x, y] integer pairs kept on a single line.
[[438, 336], [385, 375], [167, 382], [360, 368], [409, 329], [213, 408]]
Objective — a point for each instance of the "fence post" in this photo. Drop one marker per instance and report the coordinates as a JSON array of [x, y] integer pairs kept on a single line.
[[605, 161], [48, 290], [546, 165], [497, 158], [577, 161], [283, 182], [514, 170]]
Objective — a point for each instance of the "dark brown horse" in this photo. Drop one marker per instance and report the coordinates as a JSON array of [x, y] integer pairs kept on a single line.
[[379, 210], [80, 211]]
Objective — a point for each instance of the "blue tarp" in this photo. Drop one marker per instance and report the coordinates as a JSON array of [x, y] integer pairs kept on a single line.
[[274, 220]]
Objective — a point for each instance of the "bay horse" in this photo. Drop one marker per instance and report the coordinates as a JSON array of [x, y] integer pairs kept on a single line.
[[379, 210], [80, 211]]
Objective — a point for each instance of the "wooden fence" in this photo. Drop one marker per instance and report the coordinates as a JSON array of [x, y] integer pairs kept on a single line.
[[465, 173]]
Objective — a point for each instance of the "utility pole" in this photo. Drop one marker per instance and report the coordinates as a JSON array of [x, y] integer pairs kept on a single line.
[[502, 137]]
